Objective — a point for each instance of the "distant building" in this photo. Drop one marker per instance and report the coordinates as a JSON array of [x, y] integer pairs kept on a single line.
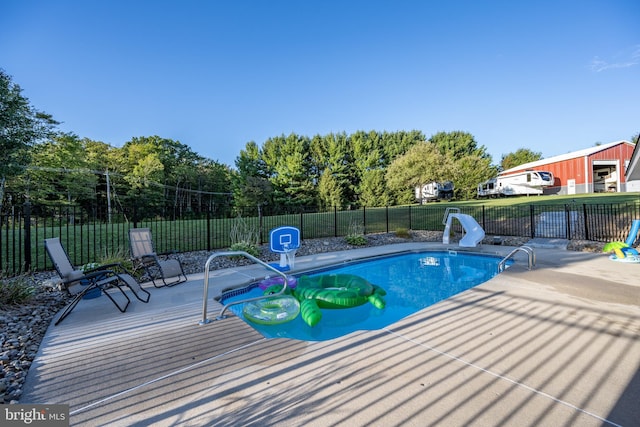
[[632, 174], [597, 169]]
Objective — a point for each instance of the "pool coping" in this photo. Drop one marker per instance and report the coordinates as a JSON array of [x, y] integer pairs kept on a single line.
[[555, 345]]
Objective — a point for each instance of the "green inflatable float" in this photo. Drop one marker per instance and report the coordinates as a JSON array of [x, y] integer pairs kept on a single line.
[[314, 293], [334, 291]]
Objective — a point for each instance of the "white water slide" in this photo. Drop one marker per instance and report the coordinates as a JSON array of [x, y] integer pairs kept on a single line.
[[473, 233]]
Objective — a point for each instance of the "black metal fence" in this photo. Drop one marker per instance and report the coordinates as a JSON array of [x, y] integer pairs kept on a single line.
[[91, 236]]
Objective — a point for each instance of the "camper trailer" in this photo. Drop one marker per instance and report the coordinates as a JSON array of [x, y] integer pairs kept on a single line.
[[605, 180], [488, 188], [434, 191], [516, 184]]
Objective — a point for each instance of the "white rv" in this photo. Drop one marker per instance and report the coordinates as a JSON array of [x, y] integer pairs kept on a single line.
[[434, 191], [488, 188], [515, 184]]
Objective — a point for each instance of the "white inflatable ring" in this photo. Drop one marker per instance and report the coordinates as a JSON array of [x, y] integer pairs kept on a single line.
[[272, 311]]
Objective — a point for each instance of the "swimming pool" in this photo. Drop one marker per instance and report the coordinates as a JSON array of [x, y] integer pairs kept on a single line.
[[413, 281]]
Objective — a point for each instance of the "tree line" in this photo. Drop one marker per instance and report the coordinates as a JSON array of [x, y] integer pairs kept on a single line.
[[163, 176]]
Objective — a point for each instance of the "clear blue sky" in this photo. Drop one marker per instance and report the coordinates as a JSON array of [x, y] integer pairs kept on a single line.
[[552, 76]]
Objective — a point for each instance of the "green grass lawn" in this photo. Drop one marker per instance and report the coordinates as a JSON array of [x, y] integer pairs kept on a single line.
[[580, 199]]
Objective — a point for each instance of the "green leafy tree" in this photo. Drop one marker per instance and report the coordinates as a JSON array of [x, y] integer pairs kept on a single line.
[[519, 157], [469, 162], [458, 144], [166, 177], [214, 182], [468, 172], [62, 172], [141, 172], [422, 163], [101, 158], [21, 127], [188, 177]]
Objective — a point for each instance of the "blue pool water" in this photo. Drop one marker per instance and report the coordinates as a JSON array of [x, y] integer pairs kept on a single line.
[[413, 281]]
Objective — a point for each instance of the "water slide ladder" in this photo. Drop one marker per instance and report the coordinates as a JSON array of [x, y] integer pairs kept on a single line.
[[526, 249], [221, 316]]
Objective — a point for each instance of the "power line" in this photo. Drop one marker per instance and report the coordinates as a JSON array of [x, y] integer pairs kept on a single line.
[[107, 173]]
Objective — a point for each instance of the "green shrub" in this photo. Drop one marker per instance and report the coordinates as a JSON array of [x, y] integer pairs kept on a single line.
[[116, 256], [356, 239], [356, 236], [16, 290], [403, 233], [244, 237], [246, 247]]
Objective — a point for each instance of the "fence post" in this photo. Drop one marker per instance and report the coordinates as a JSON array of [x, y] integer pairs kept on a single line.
[[301, 223], [27, 236], [135, 217], [386, 215], [364, 219], [208, 228], [260, 224], [484, 225], [335, 221], [585, 219], [532, 221]]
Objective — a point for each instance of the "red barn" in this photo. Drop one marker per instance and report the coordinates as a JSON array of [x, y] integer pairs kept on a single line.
[[593, 170]]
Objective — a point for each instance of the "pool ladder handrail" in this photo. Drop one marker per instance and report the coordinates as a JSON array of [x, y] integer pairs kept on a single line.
[[526, 249], [221, 316]]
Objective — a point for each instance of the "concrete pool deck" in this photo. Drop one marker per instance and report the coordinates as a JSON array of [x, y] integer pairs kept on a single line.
[[557, 345]]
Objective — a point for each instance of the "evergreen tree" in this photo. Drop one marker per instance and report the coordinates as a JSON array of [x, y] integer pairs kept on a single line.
[[290, 170], [251, 185]]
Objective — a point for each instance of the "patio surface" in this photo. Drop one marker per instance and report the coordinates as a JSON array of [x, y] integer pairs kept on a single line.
[[555, 346]]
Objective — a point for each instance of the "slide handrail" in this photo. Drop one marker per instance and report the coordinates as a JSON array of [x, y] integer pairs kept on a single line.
[[446, 214], [204, 320]]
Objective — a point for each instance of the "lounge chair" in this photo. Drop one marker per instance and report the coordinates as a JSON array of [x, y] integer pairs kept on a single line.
[[104, 279], [156, 268]]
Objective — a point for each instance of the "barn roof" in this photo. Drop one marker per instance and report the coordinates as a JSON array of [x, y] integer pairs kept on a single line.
[[574, 154]]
